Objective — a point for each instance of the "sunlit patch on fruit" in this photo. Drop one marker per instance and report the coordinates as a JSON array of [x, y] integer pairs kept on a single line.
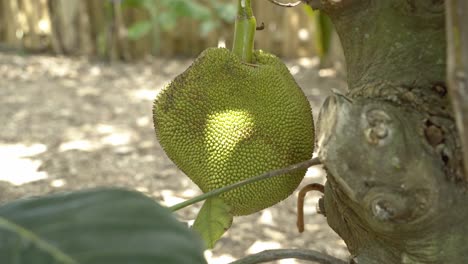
[[224, 130]]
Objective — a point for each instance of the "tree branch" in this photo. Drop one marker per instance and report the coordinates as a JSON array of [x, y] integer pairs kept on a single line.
[[276, 254], [300, 203], [266, 175]]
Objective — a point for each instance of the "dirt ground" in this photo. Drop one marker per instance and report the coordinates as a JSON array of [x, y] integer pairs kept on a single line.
[[68, 123]]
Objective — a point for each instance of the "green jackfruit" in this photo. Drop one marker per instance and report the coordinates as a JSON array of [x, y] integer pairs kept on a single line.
[[222, 121]]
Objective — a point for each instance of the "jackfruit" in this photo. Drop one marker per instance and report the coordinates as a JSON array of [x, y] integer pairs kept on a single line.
[[222, 121]]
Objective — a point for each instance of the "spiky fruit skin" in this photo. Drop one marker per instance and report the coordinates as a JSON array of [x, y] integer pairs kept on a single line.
[[222, 121]]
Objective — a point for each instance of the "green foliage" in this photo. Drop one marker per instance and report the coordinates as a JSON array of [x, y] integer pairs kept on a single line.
[[164, 15], [323, 31], [94, 226], [139, 29], [213, 220]]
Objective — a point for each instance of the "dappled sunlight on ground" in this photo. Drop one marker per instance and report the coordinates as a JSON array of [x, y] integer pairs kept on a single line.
[[220, 259], [93, 138], [170, 199], [17, 167], [266, 218], [69, 124], [145, 94]]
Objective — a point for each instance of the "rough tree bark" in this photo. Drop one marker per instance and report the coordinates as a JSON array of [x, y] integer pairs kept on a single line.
[[457, 67], [396, 187]]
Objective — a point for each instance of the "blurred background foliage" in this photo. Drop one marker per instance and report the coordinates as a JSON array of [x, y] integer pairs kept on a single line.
[[166, 13], [134, 29]]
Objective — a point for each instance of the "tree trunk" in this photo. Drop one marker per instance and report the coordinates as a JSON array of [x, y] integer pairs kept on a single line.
[[70, 27], [396, 188], [11, 26], [457, 67], [63, 17]]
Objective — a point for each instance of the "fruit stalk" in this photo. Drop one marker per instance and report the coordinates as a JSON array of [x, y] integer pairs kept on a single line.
[[244, 31]]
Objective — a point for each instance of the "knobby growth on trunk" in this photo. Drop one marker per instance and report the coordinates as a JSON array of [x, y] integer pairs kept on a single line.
[[396, 186]]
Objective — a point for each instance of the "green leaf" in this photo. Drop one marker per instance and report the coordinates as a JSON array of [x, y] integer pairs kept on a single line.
[[100, 226], [213, 220], [207, 26], [43, 251], [184, 8], [139, 29], [323, 34], [323, 30], [132, 3], [167, 21], [226, 11]]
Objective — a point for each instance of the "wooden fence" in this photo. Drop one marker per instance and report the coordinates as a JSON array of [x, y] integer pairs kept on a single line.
[[83, 27]]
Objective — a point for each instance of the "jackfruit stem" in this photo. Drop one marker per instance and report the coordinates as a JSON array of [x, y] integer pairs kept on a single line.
[[244, 32]]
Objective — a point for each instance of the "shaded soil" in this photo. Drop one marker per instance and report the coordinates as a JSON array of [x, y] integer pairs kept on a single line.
[[68, 124]]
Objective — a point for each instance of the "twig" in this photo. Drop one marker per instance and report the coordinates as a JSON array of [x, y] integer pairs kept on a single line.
[[270, 174], [285, 4], [300, 202], [275, 254]]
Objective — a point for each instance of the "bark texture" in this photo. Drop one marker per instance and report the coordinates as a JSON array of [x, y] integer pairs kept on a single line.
[[396, 191], [457, 67]]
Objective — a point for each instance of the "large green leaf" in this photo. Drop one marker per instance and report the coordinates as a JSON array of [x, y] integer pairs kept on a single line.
[[100, 226], [213, 220]]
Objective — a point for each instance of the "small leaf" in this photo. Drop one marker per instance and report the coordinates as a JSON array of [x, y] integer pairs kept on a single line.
[[323, 34], [213, 220], [100, 226], [139, 29], [207, 26], [323, 30]]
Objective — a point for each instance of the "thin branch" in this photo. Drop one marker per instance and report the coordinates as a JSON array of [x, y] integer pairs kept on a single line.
[[300, 203], [276, 254], [270, 174], [285, 4]]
